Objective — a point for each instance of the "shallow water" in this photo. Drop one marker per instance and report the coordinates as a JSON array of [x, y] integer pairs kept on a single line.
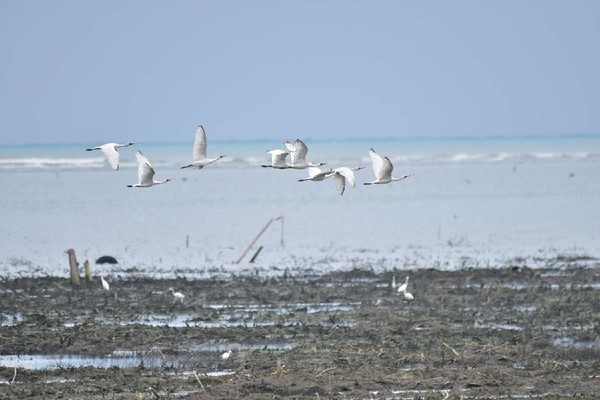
[[470, 203]]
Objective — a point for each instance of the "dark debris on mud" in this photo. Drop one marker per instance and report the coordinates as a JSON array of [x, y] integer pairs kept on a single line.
[[472, 334]]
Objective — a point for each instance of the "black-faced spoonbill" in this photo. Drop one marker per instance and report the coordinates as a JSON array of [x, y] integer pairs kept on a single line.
[[111, 153], [382, 167], [145, 173], [277, 159], [343, 174], [200, 144], [316, 174], [298, 151]]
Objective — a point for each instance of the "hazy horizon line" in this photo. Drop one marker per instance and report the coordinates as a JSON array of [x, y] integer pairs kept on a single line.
[[321, 140]]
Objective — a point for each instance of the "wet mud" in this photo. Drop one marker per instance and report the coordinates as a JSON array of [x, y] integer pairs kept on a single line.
[[468, 334]]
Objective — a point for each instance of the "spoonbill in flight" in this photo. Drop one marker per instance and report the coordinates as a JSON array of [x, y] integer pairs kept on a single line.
[[382, 167], [200, 144], [298, 151], [277, 159], [111, 153], [316, 174], [145, 173], [343, 174]]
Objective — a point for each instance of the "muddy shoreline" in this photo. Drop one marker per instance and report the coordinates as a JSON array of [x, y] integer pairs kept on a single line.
[[473, 333]]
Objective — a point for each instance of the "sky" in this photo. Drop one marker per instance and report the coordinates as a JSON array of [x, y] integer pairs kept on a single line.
[[111, 71]]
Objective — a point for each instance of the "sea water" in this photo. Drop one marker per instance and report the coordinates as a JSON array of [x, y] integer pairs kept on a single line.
[[470, 203]]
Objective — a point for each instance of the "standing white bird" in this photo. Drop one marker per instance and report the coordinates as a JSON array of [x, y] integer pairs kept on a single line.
[[382, 167], [343, 174], [394, 282], [178, 296], [199, 153], [111, 153], [404, 286], [408, 296], [104, 283], [277, 159], [298, 151], [225, 356], [145, 173]]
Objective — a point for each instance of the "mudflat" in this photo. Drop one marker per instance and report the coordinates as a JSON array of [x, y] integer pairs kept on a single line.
[[468, 334]]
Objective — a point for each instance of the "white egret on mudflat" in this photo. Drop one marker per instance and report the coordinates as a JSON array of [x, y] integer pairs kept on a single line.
[[404, 286], [178, 296], [382, 167], [199, 153], [145, 173], [111, 153], [104, 283]]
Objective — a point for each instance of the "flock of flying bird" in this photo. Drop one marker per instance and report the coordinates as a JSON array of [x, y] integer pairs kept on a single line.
[[382, 166]]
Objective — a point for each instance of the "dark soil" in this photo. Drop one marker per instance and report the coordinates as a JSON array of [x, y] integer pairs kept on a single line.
[[473, 334]]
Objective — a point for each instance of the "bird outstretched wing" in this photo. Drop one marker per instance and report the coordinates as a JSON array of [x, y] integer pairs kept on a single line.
[[200, 144]]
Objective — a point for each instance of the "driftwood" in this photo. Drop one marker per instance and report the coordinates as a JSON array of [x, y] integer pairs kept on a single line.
[[280, 218]]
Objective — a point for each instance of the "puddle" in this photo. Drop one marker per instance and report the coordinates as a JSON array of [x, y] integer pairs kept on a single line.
[[493, 325], [54, 362], [247, 316], [10, 319], [206, 356], [578, 344]]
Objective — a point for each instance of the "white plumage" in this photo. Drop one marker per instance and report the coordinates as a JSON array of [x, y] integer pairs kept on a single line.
[[104, 283], [145, 173], [298, 151], [277, 159], [342, 175], [178, 296], [111, 153], [199, 152], [382, 167], [404, 286]]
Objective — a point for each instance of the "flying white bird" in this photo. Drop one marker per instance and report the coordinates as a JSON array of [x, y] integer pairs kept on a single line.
[[343, 174], [382, 167], [277, 159], [316, 174], [104, 283], [404, 286], [200, 158], [178, 296], [298, 151], [111, 153], [145, 173]]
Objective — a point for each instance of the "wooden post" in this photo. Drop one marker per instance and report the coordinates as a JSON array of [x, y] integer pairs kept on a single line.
[[255, 254], [88, 271], [74, 267], [281, 219]]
